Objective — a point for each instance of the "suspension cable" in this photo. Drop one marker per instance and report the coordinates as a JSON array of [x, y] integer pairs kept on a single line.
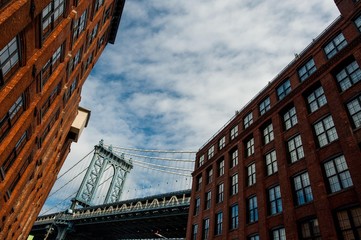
[[75, 164], [159, 170], [163, 166], [157, 151]]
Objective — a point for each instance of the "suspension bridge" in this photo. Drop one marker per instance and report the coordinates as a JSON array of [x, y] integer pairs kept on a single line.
[[119, 193]]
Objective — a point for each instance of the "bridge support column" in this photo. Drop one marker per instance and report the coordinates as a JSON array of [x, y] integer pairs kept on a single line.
[[63, 229]]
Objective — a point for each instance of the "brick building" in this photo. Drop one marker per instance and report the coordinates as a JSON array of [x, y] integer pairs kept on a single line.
[[47, 50], [288, 164]]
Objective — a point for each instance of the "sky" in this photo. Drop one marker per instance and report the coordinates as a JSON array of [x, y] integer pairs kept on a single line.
[[179, 70]]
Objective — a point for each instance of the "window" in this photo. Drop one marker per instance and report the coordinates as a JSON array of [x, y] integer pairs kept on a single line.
[[201, 161], [79, 26], [16, 178], [250, 147], [306, 70], [221, 168], [107, 15], [302, 188], [199, 182], [234, 217], [50, 100], [93, 34], [234, 187], [14, 153], [48, 128], [325, 131], [252, 209], [98, 4], [234, 132], [248, 120], [349, 223], [295, 148], [278, 234], [309, 229], [211, 152], [207, 204], [234, 158], [358, 22], [268, 135], [348, 76], [354, 109], [12, 116], [264, 106], [275, 200], [210, 175], [337, 174], [335, 45], [70, 91], [316, 99], [271, 163], [219, 218], [222, 143], [197, 206], [89, 60], [284, 89], [50, 66], [206, 228], [251, 173], [194, 231], [9, 57], [253, 237], [75, 61], [290, 118], [220, 193], [51, 16]]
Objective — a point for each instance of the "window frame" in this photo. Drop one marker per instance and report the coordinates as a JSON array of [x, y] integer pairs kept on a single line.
[[348, 76], [271, 163], [248, 120], [325, 136], [309, 227], [337, 174], [264, 106], [306, 195], [234, 157], [12, 51], [250, 146], [283, 89], [335, 45], [307, 69], [251, 174], [51, 18], [219, 223], [316, 99], [207, 200], [349, 225], [252, 209], [234, 132], [268, 134], [290, 118], [222, 143], [234, 221], [295, 153], [220, 192], [274, 200], [234, 184], [354, 111]]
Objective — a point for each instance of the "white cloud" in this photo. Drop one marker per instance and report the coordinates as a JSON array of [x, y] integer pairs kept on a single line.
[[180, 69]]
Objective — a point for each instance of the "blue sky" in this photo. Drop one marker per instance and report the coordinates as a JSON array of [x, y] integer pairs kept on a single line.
[[179, 70]]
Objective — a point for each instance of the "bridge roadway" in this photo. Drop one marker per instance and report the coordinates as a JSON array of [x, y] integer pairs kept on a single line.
[[159, 216]]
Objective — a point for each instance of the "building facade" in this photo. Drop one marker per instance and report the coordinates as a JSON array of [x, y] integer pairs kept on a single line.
[[287, 166], [47, 50]]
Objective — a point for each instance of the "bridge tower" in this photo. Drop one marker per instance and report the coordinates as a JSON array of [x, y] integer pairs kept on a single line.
[[103, 158]]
